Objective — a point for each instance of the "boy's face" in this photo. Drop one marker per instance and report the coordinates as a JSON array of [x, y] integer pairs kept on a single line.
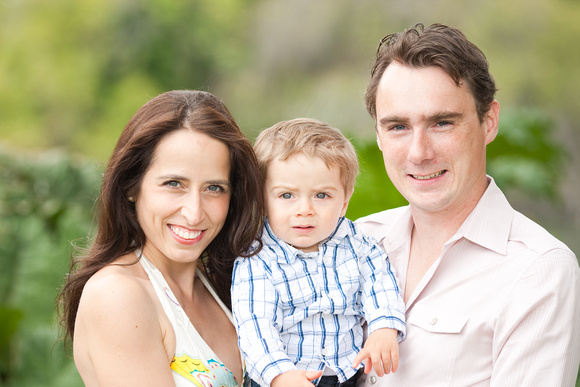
[[305, 199]]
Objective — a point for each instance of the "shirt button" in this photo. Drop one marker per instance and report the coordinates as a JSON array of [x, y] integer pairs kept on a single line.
[[433, 321], [323, 352], [373, 380]]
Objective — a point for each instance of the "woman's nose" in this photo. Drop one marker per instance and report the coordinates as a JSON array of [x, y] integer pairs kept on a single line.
[[192, 209]]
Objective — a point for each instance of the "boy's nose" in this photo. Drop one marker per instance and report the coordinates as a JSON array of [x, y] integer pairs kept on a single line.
[[305, 207]]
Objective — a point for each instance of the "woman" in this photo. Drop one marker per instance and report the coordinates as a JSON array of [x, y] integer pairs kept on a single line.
[[180, 200]]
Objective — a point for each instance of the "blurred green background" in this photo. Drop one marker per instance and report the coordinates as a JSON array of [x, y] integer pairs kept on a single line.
[[72, 73]]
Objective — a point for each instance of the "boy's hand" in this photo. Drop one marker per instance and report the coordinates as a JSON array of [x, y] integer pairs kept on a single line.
[[296, 378], [381, 352]]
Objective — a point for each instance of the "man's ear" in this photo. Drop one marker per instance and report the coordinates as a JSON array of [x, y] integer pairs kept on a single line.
[[491, 122]]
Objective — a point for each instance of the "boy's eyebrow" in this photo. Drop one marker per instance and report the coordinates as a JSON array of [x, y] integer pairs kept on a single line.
[[315, 188]]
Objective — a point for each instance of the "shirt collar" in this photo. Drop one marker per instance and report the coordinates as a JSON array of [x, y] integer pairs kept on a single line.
[[489, 223], [286, 253], [398, 233]]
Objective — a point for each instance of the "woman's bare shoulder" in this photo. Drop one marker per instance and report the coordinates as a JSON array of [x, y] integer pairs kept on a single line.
[[119, 287], [119, 317]]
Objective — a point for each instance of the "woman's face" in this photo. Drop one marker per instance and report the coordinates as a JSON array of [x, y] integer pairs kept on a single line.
[[184, 197]]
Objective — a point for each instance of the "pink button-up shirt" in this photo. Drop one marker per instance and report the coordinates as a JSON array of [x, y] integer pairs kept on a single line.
[[500, 307]]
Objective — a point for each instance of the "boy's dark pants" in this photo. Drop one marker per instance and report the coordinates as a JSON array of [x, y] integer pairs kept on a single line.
[[325, 381]]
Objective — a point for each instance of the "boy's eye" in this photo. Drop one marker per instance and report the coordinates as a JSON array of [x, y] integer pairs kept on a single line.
[[321, 195], [286, 195]]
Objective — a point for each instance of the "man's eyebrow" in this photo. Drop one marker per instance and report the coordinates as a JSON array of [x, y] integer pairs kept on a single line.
[[445, 116], [390, 119], [433, 118]]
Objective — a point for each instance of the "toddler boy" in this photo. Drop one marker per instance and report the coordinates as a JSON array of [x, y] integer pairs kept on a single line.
[[299, 303]]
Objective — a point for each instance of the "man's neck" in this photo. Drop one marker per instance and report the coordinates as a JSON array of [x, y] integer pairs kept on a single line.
[[430, 233], [436, 228]]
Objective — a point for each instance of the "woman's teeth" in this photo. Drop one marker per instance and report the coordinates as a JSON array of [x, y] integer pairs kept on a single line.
[[184, 233]]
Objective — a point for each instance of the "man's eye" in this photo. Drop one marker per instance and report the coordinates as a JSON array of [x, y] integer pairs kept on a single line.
[[398, 127]]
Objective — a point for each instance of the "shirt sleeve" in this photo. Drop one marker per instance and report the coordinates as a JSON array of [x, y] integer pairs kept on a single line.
[[382, 302], [537, 338], [258, 317]]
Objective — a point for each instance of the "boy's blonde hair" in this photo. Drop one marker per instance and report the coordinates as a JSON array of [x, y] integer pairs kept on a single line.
[[313, 139]]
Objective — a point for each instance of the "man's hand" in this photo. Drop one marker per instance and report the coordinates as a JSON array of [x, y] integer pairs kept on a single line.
[[296, 378], [381, 352]]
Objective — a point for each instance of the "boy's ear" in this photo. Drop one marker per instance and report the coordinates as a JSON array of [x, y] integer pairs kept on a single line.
[[345, 204]]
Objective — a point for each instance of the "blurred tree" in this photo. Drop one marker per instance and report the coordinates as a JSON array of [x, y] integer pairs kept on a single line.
[[45, 202], [525, 157], [72, 73]]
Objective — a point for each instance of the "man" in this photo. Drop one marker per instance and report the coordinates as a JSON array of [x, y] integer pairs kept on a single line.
[[492, 298]]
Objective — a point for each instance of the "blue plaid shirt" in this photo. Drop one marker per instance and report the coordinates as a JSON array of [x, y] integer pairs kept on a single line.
[[296, 310]]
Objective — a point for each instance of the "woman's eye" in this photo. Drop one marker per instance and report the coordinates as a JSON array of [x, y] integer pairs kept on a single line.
[[215, 188], [321, 195], [172, 183]]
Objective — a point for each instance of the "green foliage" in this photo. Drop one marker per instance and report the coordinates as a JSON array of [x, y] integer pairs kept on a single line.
[[45, 203], [524, 156], [72, 73], [374, 191], [9, 320]]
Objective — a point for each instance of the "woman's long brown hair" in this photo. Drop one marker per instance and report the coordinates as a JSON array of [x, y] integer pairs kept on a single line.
[[118, 231]]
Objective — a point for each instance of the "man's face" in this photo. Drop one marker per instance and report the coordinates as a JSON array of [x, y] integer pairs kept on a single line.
[[432, 140]]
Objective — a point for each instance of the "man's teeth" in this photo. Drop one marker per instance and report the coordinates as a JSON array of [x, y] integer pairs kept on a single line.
[[436, 174], [184, 233]]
